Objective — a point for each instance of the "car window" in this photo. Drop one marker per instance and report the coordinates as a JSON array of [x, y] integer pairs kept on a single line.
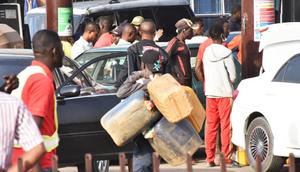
[[106, 72], [68, 68], [12, 65], [289, 72], [293, 70], [85, 57], [167, 16]]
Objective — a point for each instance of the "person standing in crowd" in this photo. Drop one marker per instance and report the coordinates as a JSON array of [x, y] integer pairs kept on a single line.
[[220, 73], [116, 33], [235, 19], [129, 33], [136, 22], [67, 42], [17, 123], [226, 28], [202, 47], [154, 66], [179, 64], [198, 33], [37, 91], [85, 42], [199, 61], [106, 38], [136, 51]]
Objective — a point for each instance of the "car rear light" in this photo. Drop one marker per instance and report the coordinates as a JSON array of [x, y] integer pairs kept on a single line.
[[235, 94]]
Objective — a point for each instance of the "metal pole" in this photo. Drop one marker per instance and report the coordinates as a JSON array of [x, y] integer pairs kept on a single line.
[[258, 163], [88, 162], [189, 164], [20, 165], [156, 162], [223, 164], [292, 166], [54, 163], [122, 162]]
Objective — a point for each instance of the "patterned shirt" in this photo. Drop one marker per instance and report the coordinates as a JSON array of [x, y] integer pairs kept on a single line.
[[15, 123]]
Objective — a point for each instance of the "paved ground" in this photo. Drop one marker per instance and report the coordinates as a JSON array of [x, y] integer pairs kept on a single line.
[[199, 166]]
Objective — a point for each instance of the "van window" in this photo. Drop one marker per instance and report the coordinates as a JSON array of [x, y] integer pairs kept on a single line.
[[128, 15], [166, 18]]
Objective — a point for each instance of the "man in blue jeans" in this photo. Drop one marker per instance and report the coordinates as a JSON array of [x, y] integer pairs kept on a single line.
[[154, 66]]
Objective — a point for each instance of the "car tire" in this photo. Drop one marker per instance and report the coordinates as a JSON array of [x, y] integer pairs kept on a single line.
[[98, 166], [259, 139]]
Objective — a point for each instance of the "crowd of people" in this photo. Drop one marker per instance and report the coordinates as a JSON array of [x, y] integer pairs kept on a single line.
[[35, 111]]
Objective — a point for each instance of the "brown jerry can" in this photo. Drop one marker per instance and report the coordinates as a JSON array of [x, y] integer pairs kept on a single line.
[[128, 119], [176, 102], [170, 98], [197, 115]]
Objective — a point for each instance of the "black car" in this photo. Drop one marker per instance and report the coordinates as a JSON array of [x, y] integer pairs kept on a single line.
[[81, 103]]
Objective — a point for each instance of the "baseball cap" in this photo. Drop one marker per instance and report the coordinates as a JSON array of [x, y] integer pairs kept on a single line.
[[185, 24], [137, 20], [118, 30], [153, 61]]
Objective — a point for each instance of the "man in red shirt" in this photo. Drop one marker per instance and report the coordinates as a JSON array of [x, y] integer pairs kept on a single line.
[[37, 90], [199, 64], [106, 38]]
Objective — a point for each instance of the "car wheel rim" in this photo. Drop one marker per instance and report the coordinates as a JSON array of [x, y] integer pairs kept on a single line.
[[259, 143]]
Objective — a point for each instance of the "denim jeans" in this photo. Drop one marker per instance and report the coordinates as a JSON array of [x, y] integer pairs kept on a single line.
[[142, 155]]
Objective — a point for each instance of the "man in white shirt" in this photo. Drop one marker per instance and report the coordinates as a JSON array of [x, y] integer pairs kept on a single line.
[[16, 122], [129, 34], [85, 42]]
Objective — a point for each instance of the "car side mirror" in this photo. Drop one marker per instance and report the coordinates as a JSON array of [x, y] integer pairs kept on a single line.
[[69, 91]]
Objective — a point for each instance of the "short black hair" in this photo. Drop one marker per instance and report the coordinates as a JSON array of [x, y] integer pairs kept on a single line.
[[91, 26], [44, 40], [198, 20], [235, 9], [215, 31], [151, 29]]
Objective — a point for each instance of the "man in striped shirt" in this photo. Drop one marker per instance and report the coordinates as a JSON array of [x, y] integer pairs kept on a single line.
[[17, 123]]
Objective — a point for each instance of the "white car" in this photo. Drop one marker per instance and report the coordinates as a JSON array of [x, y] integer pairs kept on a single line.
[[266, 112]]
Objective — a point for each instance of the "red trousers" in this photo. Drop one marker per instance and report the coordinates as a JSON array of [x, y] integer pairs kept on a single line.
[[217, 115]]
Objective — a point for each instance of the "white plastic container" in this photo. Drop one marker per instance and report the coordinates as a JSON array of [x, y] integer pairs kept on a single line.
[[128, 119], [174, 141]]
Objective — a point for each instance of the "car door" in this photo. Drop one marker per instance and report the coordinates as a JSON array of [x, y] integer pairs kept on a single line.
[[79, 117], [284, 105]]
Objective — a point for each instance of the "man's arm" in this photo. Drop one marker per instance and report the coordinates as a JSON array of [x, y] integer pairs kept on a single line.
[[229, 63], [130, 85], [11, 83], [199, 70], [30, 158], [29, 137]]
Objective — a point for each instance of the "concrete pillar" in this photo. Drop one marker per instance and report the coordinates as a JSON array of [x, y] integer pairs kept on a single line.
[[251, 58], [60, 16]]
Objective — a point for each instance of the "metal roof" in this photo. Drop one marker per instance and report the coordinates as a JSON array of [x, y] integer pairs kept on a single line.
[[99, 6], [104, 6]]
